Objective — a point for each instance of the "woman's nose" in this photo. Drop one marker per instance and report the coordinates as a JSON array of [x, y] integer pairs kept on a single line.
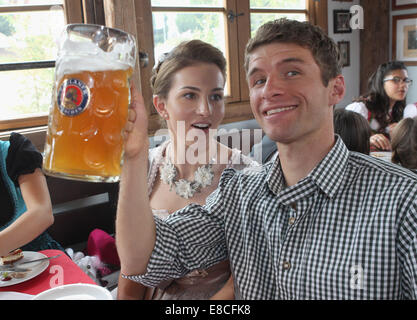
[[204, 108], [404, 85]]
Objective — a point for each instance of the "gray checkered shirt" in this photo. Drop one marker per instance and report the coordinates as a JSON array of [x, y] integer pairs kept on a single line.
[[346, 231]]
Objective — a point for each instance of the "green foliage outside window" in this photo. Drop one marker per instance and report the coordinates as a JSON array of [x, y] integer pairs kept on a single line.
[[29, 37]]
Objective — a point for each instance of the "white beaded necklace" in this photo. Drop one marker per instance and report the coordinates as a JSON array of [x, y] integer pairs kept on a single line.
[[203, 177]]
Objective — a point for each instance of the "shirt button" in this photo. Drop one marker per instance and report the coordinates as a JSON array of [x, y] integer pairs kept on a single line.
[[286, 265], [291, 221]]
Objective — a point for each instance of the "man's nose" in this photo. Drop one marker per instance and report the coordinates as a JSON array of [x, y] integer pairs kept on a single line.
[[274, 86]]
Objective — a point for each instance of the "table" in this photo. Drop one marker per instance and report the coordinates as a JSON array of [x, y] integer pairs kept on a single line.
[[61, 271]]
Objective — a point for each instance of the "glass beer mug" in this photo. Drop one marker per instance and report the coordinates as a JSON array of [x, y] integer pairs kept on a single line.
[[89, 103]]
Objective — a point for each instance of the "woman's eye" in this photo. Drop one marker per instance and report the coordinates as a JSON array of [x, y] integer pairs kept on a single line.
[[258, 82], [189, 95], [216, 97]]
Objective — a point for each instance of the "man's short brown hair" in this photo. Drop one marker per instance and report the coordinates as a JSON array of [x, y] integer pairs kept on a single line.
[[323, 48]]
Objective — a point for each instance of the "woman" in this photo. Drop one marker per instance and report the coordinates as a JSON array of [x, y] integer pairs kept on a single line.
[[24, 197], [188, 86], [384, 105], [404, 143]]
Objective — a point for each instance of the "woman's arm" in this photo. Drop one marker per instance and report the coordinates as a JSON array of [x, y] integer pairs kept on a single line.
[[130, 290], [35, 220]]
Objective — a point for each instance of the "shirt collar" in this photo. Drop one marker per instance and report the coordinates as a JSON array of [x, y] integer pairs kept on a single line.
[[327, 175]]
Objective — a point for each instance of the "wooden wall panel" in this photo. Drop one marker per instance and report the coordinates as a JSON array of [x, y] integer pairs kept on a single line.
[[374, 38], [73, 11], [93, 11], [122, 15], [317, 13]]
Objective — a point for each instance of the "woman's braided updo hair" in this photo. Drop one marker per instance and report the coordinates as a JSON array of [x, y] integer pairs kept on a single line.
[[186, 54]]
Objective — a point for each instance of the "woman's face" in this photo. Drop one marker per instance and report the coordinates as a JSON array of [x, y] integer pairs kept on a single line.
[[195, 102], [395, 88]]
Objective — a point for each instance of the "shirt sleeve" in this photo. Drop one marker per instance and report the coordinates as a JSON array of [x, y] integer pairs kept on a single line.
[[22, 157], [189, 239], [358, 107], [410, 111], [407, 247]]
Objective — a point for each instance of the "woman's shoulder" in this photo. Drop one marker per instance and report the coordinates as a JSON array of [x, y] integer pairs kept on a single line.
[[359, 107], [23, 151], [410, 110], [155, 157], [156, 152], [239, 161], [22, 156], [355, 106]]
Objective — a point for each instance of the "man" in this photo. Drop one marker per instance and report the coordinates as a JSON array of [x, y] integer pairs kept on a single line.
[[319, 222]]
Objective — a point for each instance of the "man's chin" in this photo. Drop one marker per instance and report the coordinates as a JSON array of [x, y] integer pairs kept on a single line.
[[279, 138]]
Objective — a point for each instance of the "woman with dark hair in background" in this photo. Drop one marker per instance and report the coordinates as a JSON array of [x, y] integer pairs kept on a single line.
[[384, 105], [353, 129]]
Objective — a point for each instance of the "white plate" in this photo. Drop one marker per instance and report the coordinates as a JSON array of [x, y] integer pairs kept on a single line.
[[36, 267], [79, 291], [384, 155]]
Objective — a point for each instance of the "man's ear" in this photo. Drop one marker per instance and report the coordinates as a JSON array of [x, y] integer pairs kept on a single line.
[[159, 105], [337, 91]]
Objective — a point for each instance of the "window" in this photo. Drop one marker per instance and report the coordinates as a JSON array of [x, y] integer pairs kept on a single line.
[[262, 11], [227, 24], [28, 33], [175, 21]]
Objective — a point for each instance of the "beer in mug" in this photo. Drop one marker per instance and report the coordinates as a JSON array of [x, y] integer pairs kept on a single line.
[[90, 104]]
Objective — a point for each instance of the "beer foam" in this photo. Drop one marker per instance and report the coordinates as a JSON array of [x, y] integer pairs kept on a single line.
[[76, 57]]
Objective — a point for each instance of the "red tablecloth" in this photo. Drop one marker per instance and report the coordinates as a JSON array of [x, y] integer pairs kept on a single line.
[[61, 270]]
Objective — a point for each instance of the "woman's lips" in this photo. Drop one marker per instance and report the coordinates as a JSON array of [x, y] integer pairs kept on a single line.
[[201, 126]]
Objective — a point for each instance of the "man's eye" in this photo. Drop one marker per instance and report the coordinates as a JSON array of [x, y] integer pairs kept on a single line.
[[292, 73]]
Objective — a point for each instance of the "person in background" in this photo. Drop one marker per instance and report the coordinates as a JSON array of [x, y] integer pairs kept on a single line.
[[384, 104], [404, 143], [353, 129], [26, 210], [188, 86]]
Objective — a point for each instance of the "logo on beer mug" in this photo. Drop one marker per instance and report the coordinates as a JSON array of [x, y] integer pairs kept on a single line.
[[73, 97]]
